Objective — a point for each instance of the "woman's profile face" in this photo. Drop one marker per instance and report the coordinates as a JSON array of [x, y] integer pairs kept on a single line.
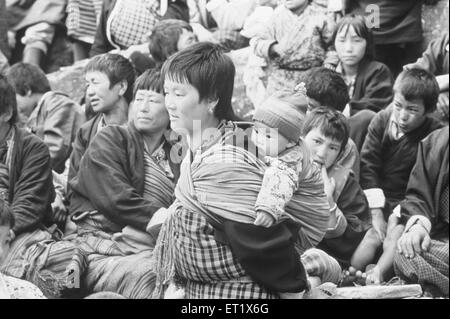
[[350, 47], [186, 111], [149, 112]]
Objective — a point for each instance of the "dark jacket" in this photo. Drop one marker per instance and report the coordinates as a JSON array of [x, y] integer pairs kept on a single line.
[[84, 136], [373, 87], [111, 178], [386, 163], [31, 189], [427, 181], [177, 9]]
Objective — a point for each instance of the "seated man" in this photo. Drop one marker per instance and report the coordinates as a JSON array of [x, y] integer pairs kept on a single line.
[[422, 255], [109, 90]]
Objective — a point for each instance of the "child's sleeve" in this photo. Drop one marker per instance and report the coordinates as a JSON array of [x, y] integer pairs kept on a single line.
[[352, 202], [262, 42], [279, 184], [371, 161], [432, 59]]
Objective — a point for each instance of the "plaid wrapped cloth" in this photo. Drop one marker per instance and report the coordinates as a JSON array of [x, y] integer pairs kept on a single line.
[[131, 20], [430, 269], [209, 267]]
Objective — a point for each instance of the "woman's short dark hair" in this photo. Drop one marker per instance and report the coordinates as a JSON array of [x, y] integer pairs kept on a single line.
[[164, 39], [418, 84], [149, 80], [26, 77], [8, 99], [117, 68], [358, 23], [206, 67], [6, 215], [332, 124]]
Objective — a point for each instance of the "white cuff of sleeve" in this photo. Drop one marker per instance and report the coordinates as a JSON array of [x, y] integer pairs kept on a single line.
[[375, 197], [397, 211], [424, 221]]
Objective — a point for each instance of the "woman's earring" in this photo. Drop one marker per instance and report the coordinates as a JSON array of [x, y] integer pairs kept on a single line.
[[211, 110]]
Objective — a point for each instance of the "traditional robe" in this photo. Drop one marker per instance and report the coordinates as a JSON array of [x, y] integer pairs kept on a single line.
[[30, 182], [427, 197], [386, 163]]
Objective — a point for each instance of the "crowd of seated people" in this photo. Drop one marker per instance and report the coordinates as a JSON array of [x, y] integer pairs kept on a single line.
[[153, 187]]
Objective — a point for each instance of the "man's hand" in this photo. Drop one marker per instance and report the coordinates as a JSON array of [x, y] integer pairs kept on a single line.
[[378, 223], [415, 241], [59, 210]]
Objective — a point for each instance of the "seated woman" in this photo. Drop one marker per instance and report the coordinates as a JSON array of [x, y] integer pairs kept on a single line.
[[209, 241], [125, 176]]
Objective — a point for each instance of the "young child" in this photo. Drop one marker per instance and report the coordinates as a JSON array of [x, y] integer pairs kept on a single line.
[[296, 38], [389, 153], [369, 82], [168, 37], [326, 88], [51, 115], [276, 132], [10, 287], [325, 132]]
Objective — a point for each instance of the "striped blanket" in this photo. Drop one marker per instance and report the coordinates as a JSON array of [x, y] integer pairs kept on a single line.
[[84, 263]]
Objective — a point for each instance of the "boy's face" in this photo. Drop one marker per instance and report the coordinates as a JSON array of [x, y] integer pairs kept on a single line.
[[25, 105], [268, 139], [325, 150], [184, 106], [350, 47], [102, 97], [186, 39], [149, 113], [294, 4], [5, 241], [409, 114]]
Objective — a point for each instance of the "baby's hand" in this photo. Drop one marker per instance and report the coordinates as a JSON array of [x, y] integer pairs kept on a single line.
[[264, 219]]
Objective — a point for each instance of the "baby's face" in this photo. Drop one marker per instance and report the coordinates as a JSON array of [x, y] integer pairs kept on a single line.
[[5, 240], [268, 139], [324, 149]]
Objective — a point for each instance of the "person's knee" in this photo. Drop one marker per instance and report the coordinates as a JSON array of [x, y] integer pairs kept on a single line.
[[371, 238]]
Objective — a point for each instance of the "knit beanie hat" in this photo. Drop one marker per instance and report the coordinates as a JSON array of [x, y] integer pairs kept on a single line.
[[278, 114]]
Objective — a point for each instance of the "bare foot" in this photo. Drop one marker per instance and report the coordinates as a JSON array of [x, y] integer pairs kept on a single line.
[[374, 276], [353, 277]]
